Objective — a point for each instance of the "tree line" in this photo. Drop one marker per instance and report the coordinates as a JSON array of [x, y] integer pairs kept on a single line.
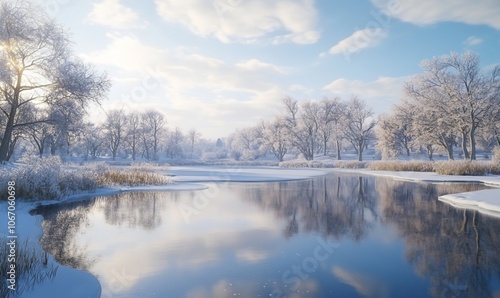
[[453, 103], [308, 128]]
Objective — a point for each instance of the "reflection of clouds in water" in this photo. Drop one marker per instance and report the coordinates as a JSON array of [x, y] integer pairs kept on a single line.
[[173, 245], [251, 255], [363, 284], [225, 289], [142, 261], [307, 288]]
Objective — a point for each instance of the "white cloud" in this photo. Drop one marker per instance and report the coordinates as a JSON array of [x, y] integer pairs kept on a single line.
[[380, 93], [245, 21], [114, 14], [425, 12], [472, 41], [256, 65], [128, 53], [359, 40], [181, 80], [365, 285], [300, 88]]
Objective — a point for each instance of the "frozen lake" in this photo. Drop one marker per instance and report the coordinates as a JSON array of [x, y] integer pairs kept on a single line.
[[330, 236]]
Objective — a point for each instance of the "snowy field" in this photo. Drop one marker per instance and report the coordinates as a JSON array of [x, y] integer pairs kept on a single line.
[[241, 174]]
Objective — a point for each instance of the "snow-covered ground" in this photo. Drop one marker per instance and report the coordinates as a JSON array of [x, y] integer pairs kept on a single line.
[[242, 174], [485, 201], [72, 282]]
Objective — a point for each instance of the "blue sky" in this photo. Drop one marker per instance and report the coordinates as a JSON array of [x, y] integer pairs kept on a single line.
[[218, 65]]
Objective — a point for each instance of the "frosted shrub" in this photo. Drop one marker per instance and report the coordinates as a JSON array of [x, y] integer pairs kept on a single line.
[[97, 167], [305, 164], [496, 155], [38, 178], [349, 164], [148, 167], [71, 181], [131, 178], [402, 165], [209, 156], [464, 167], [249, 155]]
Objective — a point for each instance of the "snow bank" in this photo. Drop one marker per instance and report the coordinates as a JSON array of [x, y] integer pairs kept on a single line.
[[68, 281], [107, 191], [242, 174], [429, 177], [485, 201]]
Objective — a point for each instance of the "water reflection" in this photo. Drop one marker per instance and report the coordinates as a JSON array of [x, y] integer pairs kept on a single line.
[[61, 226], [243, 240], [456, 249], [331, 206]]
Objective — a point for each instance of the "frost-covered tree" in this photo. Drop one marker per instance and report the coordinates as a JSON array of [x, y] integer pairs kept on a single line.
[[153, 130], [193, 137], [359, 125], [330, 115], [247, 143], [466, 94], [38, 67], [66, 118], [39, 133], [173, 146], [93, 140], [132, 133], [302, 123], [275, 137], [114, 131], [394, 131]]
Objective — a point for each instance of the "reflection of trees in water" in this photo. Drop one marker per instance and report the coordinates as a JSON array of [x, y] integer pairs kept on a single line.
[[331, 205], [61, 222], [32, 267], [134, 209], [456, 249]]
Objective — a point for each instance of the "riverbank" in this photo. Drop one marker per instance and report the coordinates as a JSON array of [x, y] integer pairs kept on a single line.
[[484, 201]]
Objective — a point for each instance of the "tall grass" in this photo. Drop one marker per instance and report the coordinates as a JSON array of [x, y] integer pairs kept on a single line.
[[305, 164], [48, 179], [350, 164], [32, 267], [400, 165], [130, 178], [466, 167], [449, 167]]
